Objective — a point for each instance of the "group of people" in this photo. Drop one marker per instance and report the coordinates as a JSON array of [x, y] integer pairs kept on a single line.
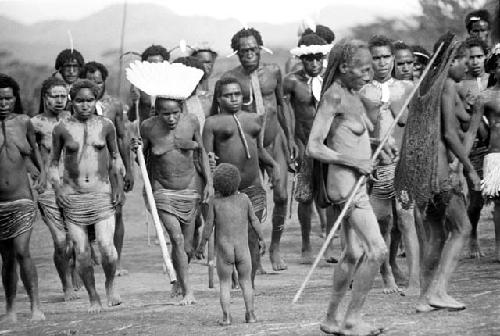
[[208, 152]]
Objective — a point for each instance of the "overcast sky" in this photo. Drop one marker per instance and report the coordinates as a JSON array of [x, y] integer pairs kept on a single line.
[[30, 11]]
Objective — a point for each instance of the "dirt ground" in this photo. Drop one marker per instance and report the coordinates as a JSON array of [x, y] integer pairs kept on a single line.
[[147, 308]]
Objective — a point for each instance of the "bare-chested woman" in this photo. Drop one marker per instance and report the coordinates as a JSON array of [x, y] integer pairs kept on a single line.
[[88, 191], [54, 95], [341, 120], [172, 137], [232, 135], [262, 94], [17, 208]]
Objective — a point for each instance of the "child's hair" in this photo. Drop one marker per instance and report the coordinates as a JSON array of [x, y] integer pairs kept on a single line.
[[226, 179]]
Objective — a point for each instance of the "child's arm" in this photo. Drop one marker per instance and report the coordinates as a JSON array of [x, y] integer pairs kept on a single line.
[[256, 225], [207, 229]]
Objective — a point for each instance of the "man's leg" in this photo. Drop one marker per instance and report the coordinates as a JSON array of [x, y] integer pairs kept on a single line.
[[406, 224], [105, 231], [179, 256], [431, 237], [496, 220], [61, 258], [118, 239], [280, 198], [332, 213], [383, 211], [188, 232], [9, 279], [322, 219], [83, 264], [29, 276], [459, 229], [304, 212], [363, 221], [476, 203]]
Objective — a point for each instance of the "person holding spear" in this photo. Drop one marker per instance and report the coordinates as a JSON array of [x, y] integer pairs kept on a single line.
[[341, 120], [173, 137]]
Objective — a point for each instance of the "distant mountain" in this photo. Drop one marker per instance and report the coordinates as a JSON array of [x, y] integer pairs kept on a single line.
[[99, 34]]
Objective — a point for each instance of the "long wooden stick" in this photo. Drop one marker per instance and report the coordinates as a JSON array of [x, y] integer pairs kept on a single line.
[[363, 178], [152, 205]]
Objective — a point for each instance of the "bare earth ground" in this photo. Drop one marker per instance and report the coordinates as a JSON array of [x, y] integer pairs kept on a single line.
[[147, 308]]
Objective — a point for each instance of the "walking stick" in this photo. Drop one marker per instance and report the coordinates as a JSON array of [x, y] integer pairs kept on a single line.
[[362, 179], [152, 204]]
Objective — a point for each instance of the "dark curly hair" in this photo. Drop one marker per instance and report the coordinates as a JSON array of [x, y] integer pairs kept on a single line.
[[311, 39], [381, 41], [67, 55], [92, 67], [48, 84], [7, 82], [483, 14], [472, 42], [322, 31], [214, 110], [245, 32], [400, 45], [226, 179], [154, 50], [83, 84]]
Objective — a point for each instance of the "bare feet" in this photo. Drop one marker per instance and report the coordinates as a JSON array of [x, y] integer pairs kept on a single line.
[[276, 261], [187, 300], [114, 300], [360, 328], [390, 286], [412, 290], [307, 257], [260, 270], [250, 317], [399, 276], [226, 320], [70, 295], [121, 272], [9, 317], [444, 301], [176, 289], [37, 315], [95, 307], [330, 327], [424, 308], [475, 251]]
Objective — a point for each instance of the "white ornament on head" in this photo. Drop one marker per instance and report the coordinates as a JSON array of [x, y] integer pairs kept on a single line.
[[173, 81]]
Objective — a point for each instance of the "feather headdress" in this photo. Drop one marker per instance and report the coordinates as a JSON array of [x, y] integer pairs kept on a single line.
[[174, 81]]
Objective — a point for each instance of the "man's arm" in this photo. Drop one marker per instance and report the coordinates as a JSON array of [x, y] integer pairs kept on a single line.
[[475, 122], [316, 148], [284, 114], [288, 86], [207, 229], [449, 120], [36, 157], [123, 146], [205, 166], [112, 167]]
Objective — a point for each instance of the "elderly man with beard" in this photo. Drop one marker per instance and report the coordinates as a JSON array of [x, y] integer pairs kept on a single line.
[[262, 94], [302, 90], [341, 121], [383, 98], [111, 108]]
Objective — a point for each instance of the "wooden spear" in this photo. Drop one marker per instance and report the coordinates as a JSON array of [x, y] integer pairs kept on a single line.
[[362, 179]]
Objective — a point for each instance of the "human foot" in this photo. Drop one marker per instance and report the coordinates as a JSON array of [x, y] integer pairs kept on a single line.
[[37, 315], [360, 328], [250, 317], [113, 299], [176, 290], [474, 250], [307, 257], [330, 327], [121, 272], [444, 301], [187, 300], [390, 286], [70, 295], [399, 276], [95, 307], [9, 317], [276, 261], [226, 320], [260, 270]]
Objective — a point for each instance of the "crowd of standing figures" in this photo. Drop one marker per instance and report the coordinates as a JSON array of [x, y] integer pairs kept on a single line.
[[402, 143]]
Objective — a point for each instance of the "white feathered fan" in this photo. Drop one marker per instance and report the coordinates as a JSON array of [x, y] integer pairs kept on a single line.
[[174, 81]]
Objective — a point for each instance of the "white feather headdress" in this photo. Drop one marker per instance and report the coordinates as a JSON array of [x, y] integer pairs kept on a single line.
[[311, 50], [174, 81]]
